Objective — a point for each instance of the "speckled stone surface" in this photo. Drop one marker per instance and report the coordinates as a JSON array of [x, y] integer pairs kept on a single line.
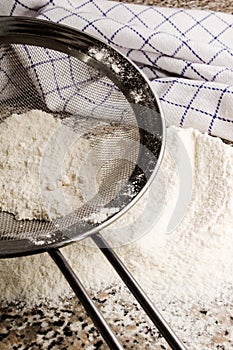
[[67, 326], [201, 326], [214, 5]]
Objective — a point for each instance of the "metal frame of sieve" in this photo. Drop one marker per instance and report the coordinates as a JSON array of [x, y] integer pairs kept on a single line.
[[131, 82]]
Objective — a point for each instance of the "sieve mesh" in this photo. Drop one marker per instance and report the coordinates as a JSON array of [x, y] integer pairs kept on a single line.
[[95, 94]]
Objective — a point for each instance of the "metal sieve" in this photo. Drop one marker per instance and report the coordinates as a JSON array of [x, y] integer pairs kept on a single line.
[[102, 96]]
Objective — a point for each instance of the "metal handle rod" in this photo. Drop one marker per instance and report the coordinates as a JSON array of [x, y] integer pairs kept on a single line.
[[85, 299], [138, 293]]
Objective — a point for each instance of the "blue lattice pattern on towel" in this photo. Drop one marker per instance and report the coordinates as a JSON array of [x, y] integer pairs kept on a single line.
[[186, 54]]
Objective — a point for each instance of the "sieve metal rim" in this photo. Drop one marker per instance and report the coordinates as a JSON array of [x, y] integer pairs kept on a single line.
[[24, 30]]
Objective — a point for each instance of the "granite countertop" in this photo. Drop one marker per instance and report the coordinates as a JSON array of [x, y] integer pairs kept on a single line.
[[67, 326]]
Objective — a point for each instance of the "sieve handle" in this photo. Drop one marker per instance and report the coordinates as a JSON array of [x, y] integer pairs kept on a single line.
[[85, 299], [138, 293]]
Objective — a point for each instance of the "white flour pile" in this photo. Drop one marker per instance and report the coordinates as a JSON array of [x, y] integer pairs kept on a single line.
[[39, 167], [193, 263]]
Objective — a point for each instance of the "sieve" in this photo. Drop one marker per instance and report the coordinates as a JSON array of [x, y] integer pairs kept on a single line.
[[99, 94]]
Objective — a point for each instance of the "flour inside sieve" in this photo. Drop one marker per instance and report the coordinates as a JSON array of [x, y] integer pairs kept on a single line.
[[40, 167]]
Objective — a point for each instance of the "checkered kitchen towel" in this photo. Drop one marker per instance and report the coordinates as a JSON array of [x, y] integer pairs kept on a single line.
[[186, 54]]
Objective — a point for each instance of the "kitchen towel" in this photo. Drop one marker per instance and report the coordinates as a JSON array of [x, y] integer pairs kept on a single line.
[[186, 54]]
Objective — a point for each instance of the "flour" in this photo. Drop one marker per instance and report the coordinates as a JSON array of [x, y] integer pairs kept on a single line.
[[97, 218], [40, 167], [193, 263]]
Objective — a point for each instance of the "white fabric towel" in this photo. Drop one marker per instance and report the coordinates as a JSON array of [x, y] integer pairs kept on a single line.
[[186, 54]]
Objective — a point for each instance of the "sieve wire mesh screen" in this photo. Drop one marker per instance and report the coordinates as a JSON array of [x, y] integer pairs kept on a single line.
[[90, 106], [104, 134]]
